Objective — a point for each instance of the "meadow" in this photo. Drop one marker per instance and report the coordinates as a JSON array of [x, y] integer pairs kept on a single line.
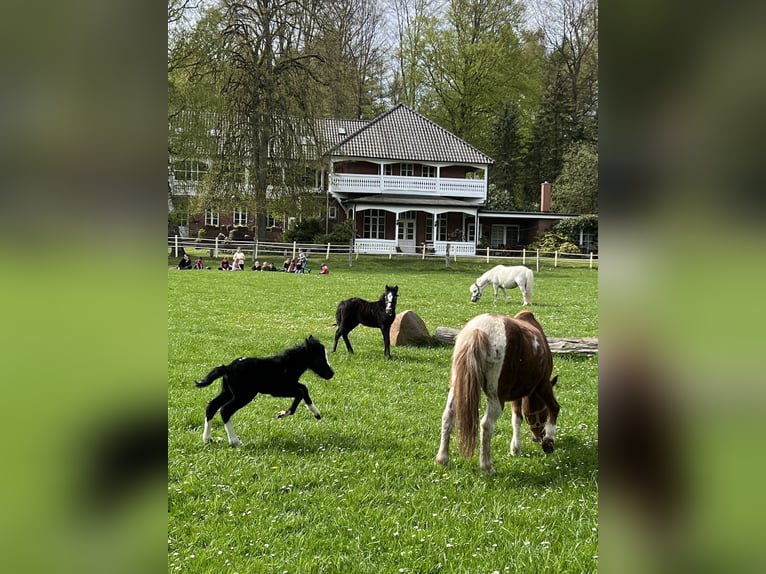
[[358, 490]]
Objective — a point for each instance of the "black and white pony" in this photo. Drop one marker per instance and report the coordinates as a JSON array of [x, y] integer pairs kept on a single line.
[[277, 376], [509, 360], [356, 311], [505, 277]]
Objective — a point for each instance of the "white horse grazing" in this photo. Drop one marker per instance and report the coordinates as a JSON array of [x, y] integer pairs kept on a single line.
[[504, 277]]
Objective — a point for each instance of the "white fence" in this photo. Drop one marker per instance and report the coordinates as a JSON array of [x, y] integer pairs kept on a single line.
[[376, 247]]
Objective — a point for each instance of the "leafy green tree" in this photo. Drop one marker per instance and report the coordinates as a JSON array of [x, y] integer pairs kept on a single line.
[[507, 150], [576, 188], [471, 59]]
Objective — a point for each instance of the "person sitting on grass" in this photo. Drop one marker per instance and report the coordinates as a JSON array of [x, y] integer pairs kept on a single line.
[[225, 266], [325, 270], [198, 263], [256, 266], [185, 262]]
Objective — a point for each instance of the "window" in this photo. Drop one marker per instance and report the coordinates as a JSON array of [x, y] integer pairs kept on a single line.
[[586, 239], [332, 212], [388, 169], [212, 218], [506, 235], [374, 224], [269, 220], [407, 169], [189, 170], [441, 225], [470, 232], [429, 171], [240, 216]]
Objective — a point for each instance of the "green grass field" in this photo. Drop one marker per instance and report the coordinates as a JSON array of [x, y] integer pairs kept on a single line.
[[358, 491]]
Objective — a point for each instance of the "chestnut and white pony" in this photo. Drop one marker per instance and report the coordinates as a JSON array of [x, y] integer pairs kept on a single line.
[[505, 277], [509, 359]]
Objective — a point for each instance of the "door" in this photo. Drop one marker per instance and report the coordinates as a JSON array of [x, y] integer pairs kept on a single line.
[[405, 238]]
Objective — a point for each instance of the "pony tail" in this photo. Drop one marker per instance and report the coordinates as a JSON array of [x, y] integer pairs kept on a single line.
[[470, 352], [216, 373]]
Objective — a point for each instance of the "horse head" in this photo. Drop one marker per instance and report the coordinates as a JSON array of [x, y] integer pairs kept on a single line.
[[390, 299], [317, 361], [475, 293], [536, 413]]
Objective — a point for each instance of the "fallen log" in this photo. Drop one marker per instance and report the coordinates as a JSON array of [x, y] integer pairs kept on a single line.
[[558, 345]]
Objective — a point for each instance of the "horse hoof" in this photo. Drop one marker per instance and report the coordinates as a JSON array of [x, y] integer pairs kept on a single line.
[[235, 443], [281, 414], [547, 446], [442, 461], [318, 417]]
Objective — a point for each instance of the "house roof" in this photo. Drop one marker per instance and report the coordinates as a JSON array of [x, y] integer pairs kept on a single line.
[[403, 134]]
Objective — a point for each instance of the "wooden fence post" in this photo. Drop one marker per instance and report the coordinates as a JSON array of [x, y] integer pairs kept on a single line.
[[294, 244], [555, 259], [524, 256], [538, 261], [487, 253], [390, 250], [591, 260], [216, 246], [327, 255], [255, 251], [423, 254], [175, 241], [446, 255]]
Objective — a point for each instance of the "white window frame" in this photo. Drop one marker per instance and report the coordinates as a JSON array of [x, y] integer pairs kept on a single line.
[[388, 169], [441, 227], [212, 218], [407, 169], [332, 212], [508, 232], [374, 226], [429, 171], [239, 217]]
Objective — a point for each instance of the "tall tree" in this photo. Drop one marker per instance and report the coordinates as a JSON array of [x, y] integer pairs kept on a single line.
[[507, 150], [349, 40], [472, 61], [267, 120], [576, 188], [411, 19], [570, 32]]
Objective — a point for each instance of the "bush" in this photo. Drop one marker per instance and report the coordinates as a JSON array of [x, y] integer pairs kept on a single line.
[[341, 233], [568, 247], [304, 231]]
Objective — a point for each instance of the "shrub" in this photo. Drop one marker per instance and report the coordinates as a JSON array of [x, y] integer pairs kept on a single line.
[[568, 247], [341, 233], [304, 231]]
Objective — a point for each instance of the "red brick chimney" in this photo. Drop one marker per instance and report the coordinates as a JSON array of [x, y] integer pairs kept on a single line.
[[545, 196]]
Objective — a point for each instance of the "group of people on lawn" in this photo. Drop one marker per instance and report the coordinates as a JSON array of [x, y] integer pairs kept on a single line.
[[298, 265]]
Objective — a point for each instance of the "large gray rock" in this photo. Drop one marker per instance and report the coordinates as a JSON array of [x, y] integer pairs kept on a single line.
[[408, 329]]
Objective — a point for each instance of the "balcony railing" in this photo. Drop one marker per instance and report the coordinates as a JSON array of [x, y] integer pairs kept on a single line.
[[388, 246], [394, 184]]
